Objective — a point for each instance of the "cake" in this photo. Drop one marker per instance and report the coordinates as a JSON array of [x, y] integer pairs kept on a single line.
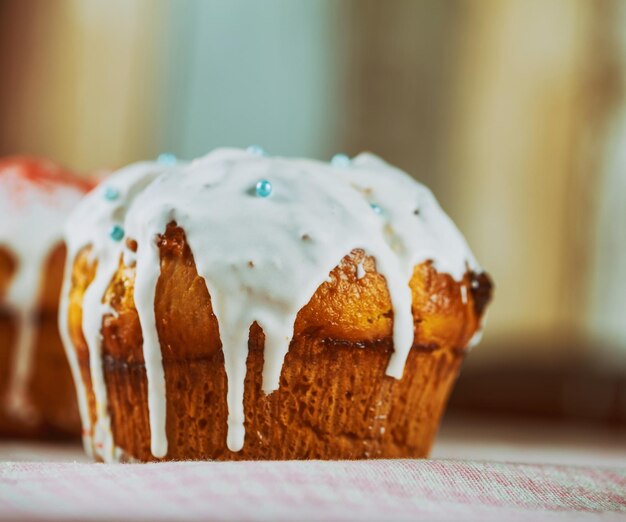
[[243, 306], [37, 397]]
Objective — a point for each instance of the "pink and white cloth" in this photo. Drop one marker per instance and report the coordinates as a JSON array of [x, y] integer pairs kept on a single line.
[[437, 490]]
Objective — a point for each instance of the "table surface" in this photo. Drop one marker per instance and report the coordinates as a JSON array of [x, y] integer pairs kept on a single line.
[[482, 469]]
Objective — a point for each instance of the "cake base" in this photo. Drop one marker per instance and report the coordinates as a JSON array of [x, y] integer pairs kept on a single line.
[[51, 391], [334, 402], [334, 399]]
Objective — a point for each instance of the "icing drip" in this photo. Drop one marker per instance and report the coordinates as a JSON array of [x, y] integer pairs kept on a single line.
[[22, 299], [81, 392], [35, 196], [265, 234], [90, 226], [147, 270]]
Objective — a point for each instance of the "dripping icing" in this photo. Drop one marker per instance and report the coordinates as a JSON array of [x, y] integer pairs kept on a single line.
[[89, 227], [295, 238]]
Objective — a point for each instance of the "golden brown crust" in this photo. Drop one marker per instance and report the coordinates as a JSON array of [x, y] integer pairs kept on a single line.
[[51, 388], [334, 399]]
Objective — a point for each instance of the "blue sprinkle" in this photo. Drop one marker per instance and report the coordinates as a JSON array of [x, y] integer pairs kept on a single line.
[[111, 193], [340, 160], [263, 188], [256, 150], [376, 208], [167, 158], [116, 233]]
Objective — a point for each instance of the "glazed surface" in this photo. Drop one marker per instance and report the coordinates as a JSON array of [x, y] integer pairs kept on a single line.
[[354, 256]]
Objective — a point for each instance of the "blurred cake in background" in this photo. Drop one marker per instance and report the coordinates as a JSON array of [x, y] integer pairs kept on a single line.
[[253, 307], [37, 398]]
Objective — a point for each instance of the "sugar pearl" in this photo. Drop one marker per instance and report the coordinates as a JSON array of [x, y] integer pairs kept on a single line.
[[167, 158], [116, 233], [340, 160], [263, 188]]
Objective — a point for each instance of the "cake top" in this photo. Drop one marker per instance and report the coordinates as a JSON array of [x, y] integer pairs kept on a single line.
[[23, 171], [265, 233], [36, 196]]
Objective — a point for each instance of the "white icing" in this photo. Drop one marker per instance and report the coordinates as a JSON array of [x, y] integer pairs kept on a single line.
[[360, 271], [90, 225], [261, 258], [31, 226], [72, 358]]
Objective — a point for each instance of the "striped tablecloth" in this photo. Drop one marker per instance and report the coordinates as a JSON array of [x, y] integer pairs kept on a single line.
[[437, 490]]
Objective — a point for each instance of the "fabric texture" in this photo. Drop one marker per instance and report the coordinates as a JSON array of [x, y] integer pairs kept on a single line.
[[438, 490]]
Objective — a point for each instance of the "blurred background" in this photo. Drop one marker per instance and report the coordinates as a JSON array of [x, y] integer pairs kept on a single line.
[[513, 112]]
